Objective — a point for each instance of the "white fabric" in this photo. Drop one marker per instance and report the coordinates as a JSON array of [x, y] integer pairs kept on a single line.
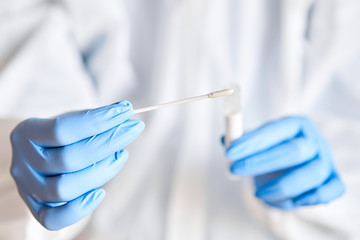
[[290, 57]]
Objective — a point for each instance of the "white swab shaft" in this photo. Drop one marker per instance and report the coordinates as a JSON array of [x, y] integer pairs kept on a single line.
[[216, 94]]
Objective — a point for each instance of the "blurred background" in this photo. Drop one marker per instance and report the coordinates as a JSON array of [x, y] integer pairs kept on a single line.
[[288, 57]]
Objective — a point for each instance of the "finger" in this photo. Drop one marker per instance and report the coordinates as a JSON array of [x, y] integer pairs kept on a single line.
[[65, 187], [265, 137], [261, 180], [56, 218], [333, 188], [73, 127], [286, 204], [69, 186], [82, 154], [285, 155], [295, 182]]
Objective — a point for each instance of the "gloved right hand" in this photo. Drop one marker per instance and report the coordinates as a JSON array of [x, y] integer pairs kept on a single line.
[[290, 161], [59, 163]]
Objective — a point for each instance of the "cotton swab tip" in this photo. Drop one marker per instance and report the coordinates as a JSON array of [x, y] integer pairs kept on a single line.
[[221, 93]]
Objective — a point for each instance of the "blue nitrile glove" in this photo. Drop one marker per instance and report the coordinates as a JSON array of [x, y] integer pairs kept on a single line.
[[59, 163], [290, 161]]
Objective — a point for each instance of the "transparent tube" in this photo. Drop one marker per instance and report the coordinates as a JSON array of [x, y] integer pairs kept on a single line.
[[233, 116], [234, 124]]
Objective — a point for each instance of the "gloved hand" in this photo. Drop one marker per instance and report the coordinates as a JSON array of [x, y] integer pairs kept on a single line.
[[290, 161], [59, 163]]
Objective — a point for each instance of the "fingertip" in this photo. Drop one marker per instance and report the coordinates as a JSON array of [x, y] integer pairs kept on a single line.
[[233, 152], [136, 126], [330, 191], [338, 187], [122, 155], [229, 153], [285, 205], [239, 168], [343, 188], [307, 199], [233, 170], [56, 218], [269, 192], [115, 113], [123, 107], [92, 199], [238, 149], [120, 159], [124, 103], [98, 194], [141, 125]]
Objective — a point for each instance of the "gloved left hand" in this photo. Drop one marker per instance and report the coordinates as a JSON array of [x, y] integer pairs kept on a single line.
[[60, 163], [291, 163]]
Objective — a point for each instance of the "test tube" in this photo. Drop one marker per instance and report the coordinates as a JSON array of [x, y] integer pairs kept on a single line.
[[233, 116]]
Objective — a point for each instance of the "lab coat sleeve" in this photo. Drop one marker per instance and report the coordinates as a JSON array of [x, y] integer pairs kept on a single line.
[[42, 76], [13, 211]]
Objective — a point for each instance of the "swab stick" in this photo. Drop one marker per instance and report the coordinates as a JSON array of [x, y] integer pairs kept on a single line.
[[216, 94]]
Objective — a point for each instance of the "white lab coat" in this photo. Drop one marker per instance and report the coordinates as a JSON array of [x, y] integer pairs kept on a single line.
[[290, 57]]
